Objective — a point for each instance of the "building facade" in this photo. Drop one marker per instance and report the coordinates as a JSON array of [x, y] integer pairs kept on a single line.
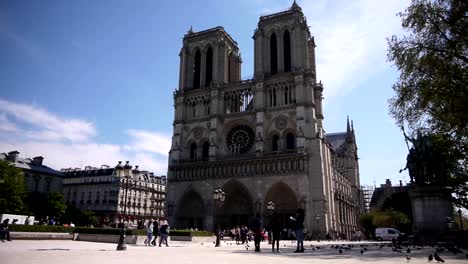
[[37, 177], [260, 139], [102, 190]]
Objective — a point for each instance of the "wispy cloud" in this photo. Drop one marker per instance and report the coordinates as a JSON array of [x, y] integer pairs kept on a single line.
[[48, 126], [71, 142], [351, 39]]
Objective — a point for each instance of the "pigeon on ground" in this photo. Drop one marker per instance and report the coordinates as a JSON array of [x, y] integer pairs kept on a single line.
[[408, 258], [429, 258], [437, 258]]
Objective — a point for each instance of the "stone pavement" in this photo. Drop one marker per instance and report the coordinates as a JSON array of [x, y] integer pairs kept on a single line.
[[70, 252]]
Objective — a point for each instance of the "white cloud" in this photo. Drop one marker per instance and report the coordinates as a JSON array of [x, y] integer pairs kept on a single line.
[[48, 126], [65, 142], [351, 39], [6, 125], [150, 141]]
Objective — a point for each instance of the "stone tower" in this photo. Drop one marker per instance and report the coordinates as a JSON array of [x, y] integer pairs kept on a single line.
[[260, 139]]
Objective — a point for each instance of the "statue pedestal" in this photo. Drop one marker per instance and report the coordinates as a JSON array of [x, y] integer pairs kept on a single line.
[[431, 207]]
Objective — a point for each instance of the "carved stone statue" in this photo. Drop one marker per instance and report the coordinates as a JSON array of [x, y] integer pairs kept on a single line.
[[425, 164]]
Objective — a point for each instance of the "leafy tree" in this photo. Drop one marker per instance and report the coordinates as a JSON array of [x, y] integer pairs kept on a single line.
[[78, 217], [388, 218], [11, 189], [432, 90], [55, 206], [366, 222]]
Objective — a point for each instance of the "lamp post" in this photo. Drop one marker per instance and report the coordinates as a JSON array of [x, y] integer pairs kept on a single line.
[[218, 196], [461, 219], [127, 171], [317, 219], [270, 208]]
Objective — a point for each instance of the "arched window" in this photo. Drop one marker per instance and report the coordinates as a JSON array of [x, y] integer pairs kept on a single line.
[[275, 143], [193, 151], [209, 67], [273, 54], [290, 141], [196, 70], [287, 51], [206, 150]]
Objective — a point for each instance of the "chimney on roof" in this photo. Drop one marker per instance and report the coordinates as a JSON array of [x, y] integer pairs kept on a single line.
[[401, 183], [13, 156], [388, 182], [37, 160]]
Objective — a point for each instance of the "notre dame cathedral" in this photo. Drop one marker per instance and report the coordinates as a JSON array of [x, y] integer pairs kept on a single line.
[[260, 140]]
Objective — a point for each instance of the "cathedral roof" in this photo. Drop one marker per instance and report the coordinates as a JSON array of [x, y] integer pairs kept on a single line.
[[336, 140]]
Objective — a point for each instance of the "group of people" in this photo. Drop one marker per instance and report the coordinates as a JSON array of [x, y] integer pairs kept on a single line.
[[153, 229], [276, 229]]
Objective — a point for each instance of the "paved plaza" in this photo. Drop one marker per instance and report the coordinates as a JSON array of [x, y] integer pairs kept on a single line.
[[69, 252]]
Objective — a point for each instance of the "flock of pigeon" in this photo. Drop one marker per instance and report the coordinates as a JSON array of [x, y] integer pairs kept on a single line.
[[405, 249]]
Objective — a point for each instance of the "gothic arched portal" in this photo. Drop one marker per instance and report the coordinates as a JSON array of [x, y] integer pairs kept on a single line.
[[285, 200], [238, 207], [190, 212]]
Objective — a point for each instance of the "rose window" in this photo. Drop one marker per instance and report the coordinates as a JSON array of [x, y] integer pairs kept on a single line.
[[240, 139]]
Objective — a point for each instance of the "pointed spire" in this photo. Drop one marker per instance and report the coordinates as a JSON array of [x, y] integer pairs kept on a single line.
[[295, 6], [190, 31], [348, 128]]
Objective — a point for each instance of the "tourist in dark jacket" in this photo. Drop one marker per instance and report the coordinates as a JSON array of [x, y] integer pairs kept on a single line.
[[164, 233], [276, 229], [4, 232]]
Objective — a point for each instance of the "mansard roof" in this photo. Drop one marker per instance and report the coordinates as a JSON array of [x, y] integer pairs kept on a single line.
[[27, 164]]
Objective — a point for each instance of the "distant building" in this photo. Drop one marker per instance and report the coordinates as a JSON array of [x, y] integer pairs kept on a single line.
[[384, 192], [102, 190], [37, 177]]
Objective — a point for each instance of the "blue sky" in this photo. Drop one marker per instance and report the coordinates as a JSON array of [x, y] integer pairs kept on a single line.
[[91, 82]]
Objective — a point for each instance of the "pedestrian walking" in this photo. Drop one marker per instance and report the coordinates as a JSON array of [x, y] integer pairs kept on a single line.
[[257, 229], [149, 233], [164, 233], [155, 232], [299, 229]]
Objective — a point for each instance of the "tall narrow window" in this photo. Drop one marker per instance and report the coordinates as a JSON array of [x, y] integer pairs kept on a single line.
[[206, 150], [209, 67], [193, 151], [229, 67], [290, 142], [275, 143], [274, 97], [287, 51], [286, 96], [273, 54], [196, 70]]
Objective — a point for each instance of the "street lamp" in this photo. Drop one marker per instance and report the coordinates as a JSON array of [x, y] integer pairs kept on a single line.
[[270, 208], [218, 196], [461, 219], [127, 173]]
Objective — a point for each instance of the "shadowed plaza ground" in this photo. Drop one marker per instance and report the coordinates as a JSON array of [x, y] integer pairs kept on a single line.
[[69, 252]]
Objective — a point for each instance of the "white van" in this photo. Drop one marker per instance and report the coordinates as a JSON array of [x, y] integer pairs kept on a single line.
[[386, 233]]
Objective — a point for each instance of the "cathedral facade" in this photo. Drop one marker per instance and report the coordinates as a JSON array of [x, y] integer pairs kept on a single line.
[[260, 140]]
